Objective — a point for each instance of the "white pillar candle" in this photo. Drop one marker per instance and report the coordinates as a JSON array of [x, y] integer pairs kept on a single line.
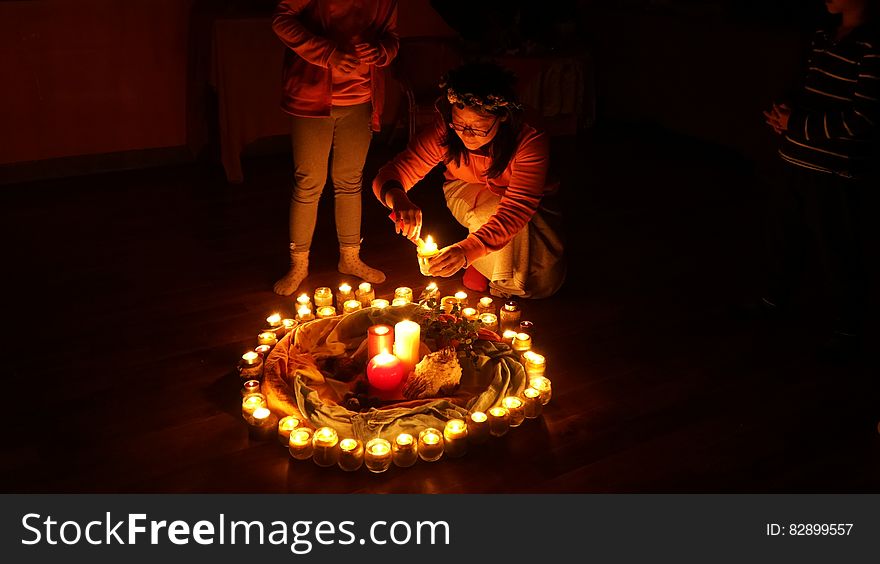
[[430, 445], [377, 455], [478, 427], [300, 444], [405, 451], [515, 409], [406, 343], [365, 294], [323, 297], [351, 454], [455, 435], [326, 444]]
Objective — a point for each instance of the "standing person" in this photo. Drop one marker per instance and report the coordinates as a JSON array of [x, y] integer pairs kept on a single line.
[[496, 186], [828, 147], [334, 91]]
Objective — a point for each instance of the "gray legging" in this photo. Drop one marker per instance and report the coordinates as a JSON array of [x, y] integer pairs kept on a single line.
[[347, 132]]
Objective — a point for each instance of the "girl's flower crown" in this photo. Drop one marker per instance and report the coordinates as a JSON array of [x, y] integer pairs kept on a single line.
[[491, 103]]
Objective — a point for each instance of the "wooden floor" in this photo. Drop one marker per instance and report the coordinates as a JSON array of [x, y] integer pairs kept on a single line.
[[130, 297]]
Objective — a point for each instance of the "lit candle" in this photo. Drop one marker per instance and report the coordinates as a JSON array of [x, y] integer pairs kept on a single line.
[[522, 342], [377, 455], [250, 387], [510, 315], [403, 292], [499, 421], [535, 364], [303, 300], [365, 294], [344, 294], [432, 292], [405, 452], [385, 372], [286, 425], [251, 358], [288, 324], [262, 350], [351, 454], [399, 302], [531, 403], [274, 320], [326, 311], [515, 409], [267, 338], [250, 367], [351, 306], [478, 428], [455, 438], [470, 314], [261, 424], [508, 336], [490, 321], [542, 384], [250, 403], [447, 303], [379, 303], [380, 339], [425, 252], [300, 445], [486, 305], [430, 445], [304, 313], [323, 297], [462, 298], [526, 327], [406, 343], [326, 444]]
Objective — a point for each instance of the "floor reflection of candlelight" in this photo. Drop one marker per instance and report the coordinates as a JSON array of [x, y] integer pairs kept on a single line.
[[300, 444], [377, 455], [351, 454], [543, 385], [430, 445], [365, 294], [532, 406], [405, 452], [514, 407], [286, 426], [478, 427], [326, 443], [499, 421], [323, 297], [455, 438]]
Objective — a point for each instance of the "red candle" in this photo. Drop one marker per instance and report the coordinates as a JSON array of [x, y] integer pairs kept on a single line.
[[385, 372], [380, 339]]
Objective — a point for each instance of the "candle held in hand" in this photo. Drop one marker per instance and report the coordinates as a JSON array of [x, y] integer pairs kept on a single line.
[[425, 252]]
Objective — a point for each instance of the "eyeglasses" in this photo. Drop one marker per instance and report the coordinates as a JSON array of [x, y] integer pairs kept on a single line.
[[473, 131]]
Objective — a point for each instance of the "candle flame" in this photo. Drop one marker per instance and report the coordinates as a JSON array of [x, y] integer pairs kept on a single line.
[[478, 416], [348, 444], [365, 287], [262, 413], [301, 437], [455, 425], [511, 402], [289, 423], [531, 393], [274, 319], [250, 356], [303, 298], [345, 288]]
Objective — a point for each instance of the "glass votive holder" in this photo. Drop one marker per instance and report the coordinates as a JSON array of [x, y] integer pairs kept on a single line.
[[534, 363], [470, 314], [323, 297], [351, 306], [303, 301], [365, 294], [326, 311], [304, 313], [250, 387], [447, 303], [344, 294], [532, 405], [288, 324], [403, 292], [455, 435], [515, 410], [261, 424], [251, 358], [267, 338], [263, 350], [478, 427], [430, 445], [274, 321], [379, 303], [527, 327], [326, 444], [351, 454], [499, 421], [300, 444], [397, 302], [490, 321], [543, 385], [251, 403], [522, 342], [485, 305], [509, 315], [377, 455], [286, 425], [508, 337], [404, 451], [250, 367]]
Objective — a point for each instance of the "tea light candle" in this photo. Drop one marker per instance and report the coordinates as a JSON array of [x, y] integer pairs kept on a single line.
[[542, 384], [522, 342], [351, 306], [326, 444], [447, 303], [515, 409], [250, 387], [527, 327], [250, 403], [303, 301], [403, 292], [385, 372], [267, 338], [251, 358], [250, 367], [478, 427], [510, 315], [260, 424], [323, 297], [531, 403], [486, 305], [304, 313], [490, 321], [425, 252], [462, 298], [288, 324], [405, 451], [274, 320], [286, 426], [499, 421], [379, 304], [380, 339], [455, 435], [470, 314], [351, 454], [508, 336], [300, 444], [365, 294], [326, 311], [430, 445], [399, 302], [535, 364], [344, 294], [406, 343], [262, 350], [377, 455]]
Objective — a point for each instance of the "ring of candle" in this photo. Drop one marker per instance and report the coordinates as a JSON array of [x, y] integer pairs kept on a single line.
[[405, 450], [515, 409], [351, 454], [377, 455], [499, 421], [532, 403], [379, 303], [286, 425], [300, 444], [430, 445]]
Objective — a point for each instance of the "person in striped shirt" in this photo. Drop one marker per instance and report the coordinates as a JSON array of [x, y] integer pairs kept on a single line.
[[828, 146]]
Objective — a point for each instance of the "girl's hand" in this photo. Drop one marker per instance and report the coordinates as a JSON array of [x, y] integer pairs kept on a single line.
[[368, 54], [449, 261], [407, 215], [342, 61]]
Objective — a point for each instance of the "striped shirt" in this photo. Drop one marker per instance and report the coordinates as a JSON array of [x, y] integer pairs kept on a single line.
[[833, 123]]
